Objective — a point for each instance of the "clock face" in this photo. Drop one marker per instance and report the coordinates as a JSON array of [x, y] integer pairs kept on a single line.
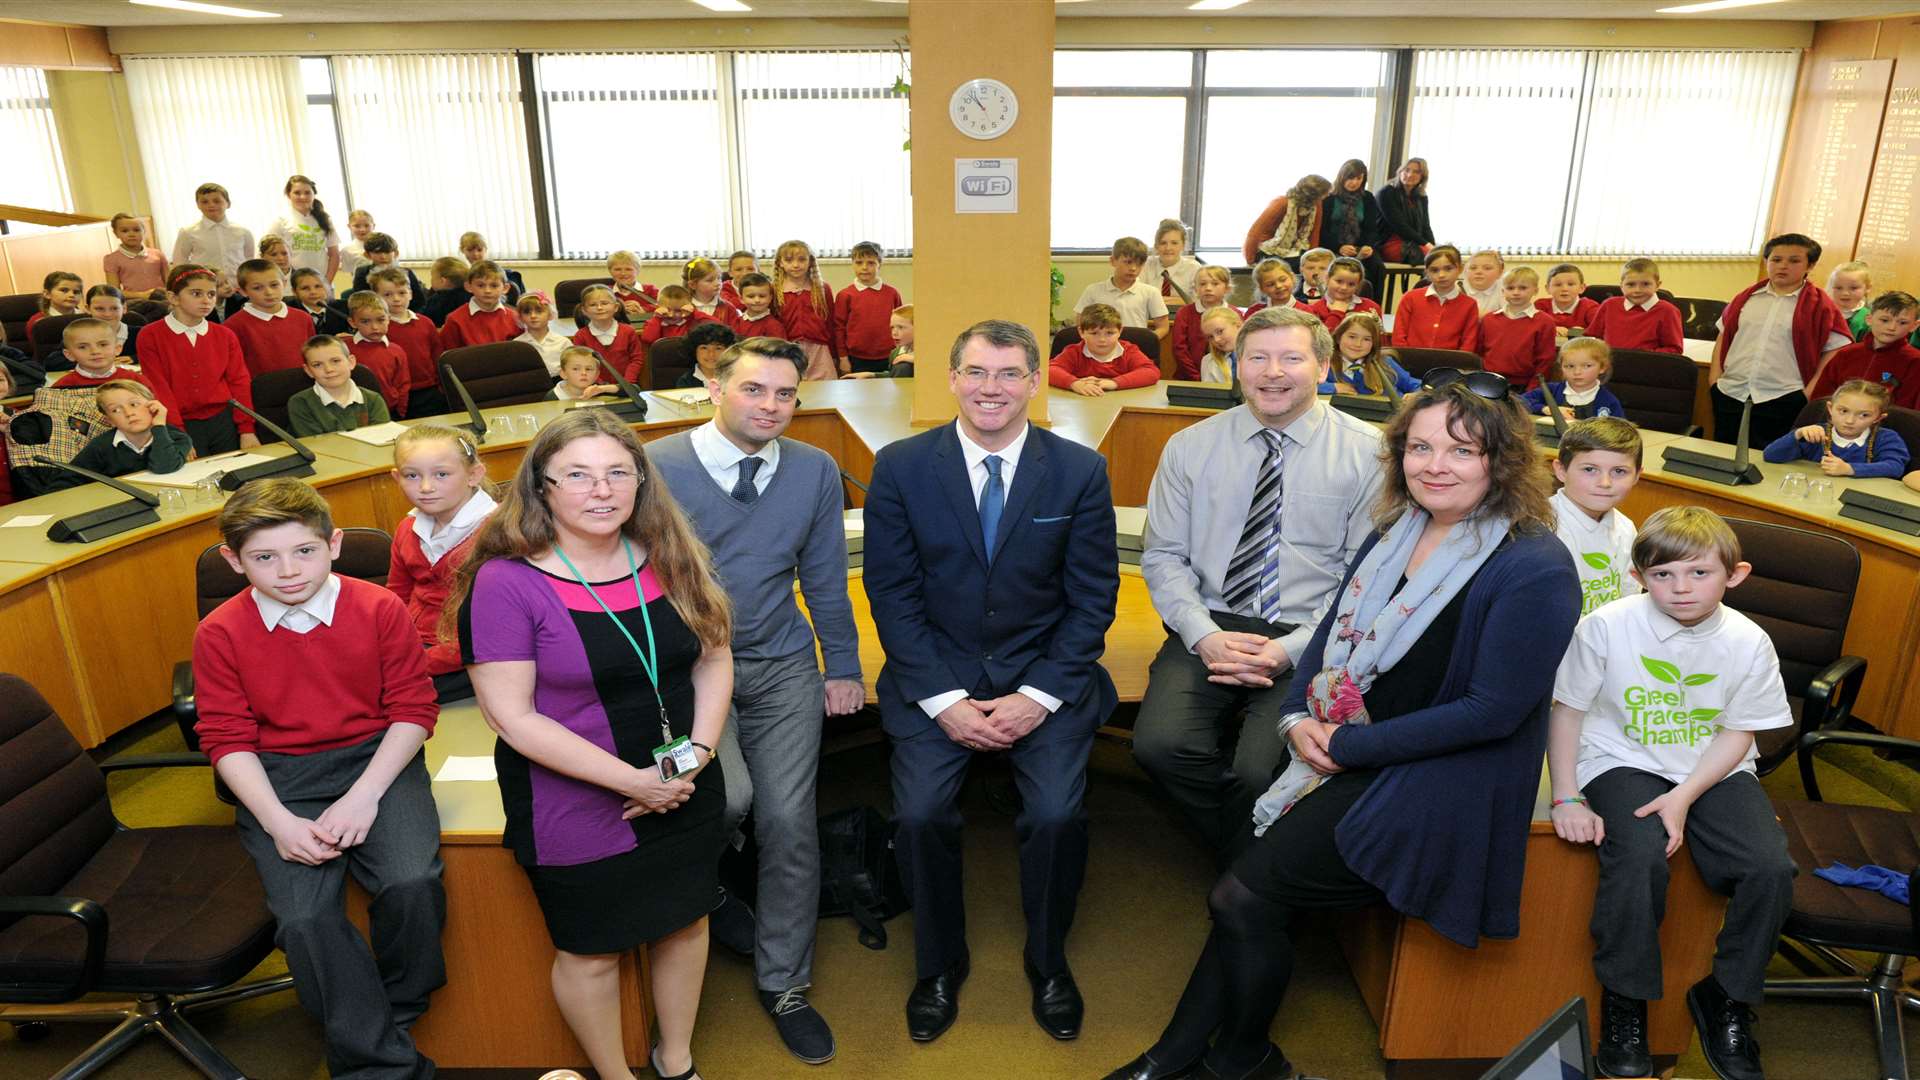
[[983, 108]]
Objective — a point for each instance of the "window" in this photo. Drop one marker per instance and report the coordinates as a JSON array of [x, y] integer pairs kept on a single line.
[[440, 144], [822, 150], [605, 118], [36, 175], [1119, 132], [322, 149]]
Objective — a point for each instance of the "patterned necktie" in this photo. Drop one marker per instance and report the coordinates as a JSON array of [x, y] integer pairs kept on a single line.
[[1166, 283], [1253, 576], [992, 501], [743, 488]]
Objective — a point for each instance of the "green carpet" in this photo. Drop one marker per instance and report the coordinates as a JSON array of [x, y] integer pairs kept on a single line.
[[1141, 923]]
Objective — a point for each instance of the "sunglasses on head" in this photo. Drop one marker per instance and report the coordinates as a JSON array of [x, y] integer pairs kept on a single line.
[[1488, 384]]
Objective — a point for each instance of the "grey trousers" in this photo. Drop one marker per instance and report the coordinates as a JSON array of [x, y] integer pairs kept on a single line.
[[1183, 728], [1739, 849], [364, 1000], [770, 754]]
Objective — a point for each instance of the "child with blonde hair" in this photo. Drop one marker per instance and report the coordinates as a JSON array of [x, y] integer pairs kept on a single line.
[[136, 266], [1274, 284], [1208, 287], [440, 472], [1172, 270], [1852, 442], [1483, 275], [1850, 284], [605, 334], [804, 304], [1585, 364], [1222, 328], [536, 315], [1360, 366], [701, 276], [635, 299], [580, 376], [1517, 339]]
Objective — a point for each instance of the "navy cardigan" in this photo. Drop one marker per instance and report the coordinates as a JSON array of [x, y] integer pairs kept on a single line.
[[1443, 830]]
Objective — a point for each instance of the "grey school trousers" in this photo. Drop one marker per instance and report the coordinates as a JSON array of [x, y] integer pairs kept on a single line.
[[1739, 849], [365, 1000], [770, 753]]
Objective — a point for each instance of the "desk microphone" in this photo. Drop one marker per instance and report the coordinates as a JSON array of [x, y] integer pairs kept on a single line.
[[635, 407], [109, 520], [298, 463], [1553, 413], [474, 419], [1701, 466]]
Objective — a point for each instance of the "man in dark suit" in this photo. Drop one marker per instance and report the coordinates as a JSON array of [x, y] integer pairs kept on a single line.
[[992, 572]]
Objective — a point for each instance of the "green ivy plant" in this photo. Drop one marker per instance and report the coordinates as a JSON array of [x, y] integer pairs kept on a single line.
[[1056, 280]]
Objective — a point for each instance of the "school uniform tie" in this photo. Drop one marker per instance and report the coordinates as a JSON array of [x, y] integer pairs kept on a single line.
[[743, 488], [1166, 283], [992, 501], [1253, 575]]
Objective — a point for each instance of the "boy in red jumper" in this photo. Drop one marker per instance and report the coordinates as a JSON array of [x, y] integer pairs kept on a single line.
[[90, 344], [1775, 337], [272, 334], [374, 350], [672, 317], [314, 701], [1884, 356], [484, 319], [635, 299], [1565, 303], [1210, 285], [753, 316], [1439, 314], [1518, 340], [1638, 318], [417, 337], [1345, 278], [440, 472], [862, 313], [196, 365], [1100, 361]]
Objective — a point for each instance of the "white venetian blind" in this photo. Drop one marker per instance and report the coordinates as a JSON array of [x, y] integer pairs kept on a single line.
[[238, 121], [36, 174], [439, 143]]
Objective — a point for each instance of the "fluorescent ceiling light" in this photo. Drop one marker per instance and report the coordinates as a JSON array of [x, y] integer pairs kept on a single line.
[[1215, 5], [208, 9], [723, 5], [1711, 5]]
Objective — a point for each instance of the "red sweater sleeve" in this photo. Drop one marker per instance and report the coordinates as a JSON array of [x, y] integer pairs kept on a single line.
[[1186, 327], [226, 719], [239, 379], [1601, 317], [842, 313], [1545, 347], [1668, 333], [453, 333], [406, 694], [1134, 369]]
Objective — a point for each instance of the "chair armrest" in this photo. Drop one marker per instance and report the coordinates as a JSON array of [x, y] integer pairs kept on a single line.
[[1694, 431], [1812, 740], [157, 761], [183, 706], [91, 917], [1831, 694]]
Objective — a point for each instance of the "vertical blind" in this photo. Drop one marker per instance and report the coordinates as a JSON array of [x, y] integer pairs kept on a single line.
[[238, 121], [36, 175], [436, 145]]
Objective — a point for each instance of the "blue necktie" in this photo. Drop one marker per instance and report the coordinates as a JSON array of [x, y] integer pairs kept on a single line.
[[992, 501]]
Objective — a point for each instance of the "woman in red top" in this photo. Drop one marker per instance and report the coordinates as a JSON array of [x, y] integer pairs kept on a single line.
[[805, 307]]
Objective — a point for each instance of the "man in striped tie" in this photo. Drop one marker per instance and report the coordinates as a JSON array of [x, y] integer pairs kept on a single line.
[[1251, 521]]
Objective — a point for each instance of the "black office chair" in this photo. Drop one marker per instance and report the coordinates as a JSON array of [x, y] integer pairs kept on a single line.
[[148, 310], [1904, 421], [1657, 389], [273, 390], [566, 298], [46, 341], [147, 924], [1420, 361], [667, 360], [1699, 317], [501, 373], [15, 310]]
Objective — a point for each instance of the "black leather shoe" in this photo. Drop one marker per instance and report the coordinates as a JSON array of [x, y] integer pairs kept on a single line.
[[1726, 1031], [1623, 1049], [1274, 1066], [1145, 1068], [731, 925], [1056, 1002], [935, 1004], [801, 1026]]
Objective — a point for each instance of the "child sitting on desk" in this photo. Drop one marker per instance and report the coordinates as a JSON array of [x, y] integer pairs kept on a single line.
[[1851, 442], [579, 372], [1100, 361], [1584, 363], [336, 402], [314, 701], [140, 439], [1650, 744], [440, 472], [1598, 464], [1362, 368]]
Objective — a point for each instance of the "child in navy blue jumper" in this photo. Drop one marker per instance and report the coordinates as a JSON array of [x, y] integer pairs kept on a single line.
[[1585, 362], [1851, 442]]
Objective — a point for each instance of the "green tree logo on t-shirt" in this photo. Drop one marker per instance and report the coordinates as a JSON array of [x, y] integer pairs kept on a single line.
[[1657, 712], [1601, 587]]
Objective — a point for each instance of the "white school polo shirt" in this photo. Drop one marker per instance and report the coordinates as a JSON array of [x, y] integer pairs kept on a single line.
[[1137, 304], [1602, 551]]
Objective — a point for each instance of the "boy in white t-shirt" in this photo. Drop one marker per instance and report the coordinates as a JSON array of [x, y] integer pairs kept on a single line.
[[1599, 463], [1651, 745]]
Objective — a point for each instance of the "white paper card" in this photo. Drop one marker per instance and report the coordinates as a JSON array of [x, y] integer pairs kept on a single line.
[[377, 434], [466, 768], [27, 521], [195, 471]]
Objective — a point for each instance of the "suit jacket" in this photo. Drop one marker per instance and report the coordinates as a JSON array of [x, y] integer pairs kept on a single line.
[[1038, 617]]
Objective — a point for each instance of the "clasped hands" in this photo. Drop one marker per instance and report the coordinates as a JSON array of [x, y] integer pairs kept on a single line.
[[1239, 659], [648, 794], [995, 724], [340, 826]]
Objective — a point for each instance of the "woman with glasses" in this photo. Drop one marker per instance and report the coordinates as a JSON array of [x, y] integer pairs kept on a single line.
[[1418, 726], [597, 640]]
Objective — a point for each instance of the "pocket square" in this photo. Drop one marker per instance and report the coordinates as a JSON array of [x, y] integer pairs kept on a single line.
[[1052, 520]]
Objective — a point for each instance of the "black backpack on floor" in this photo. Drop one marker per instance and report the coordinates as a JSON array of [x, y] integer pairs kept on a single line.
[[858, 874]]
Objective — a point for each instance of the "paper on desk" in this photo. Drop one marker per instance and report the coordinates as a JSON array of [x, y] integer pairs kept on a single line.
[[466, 768], [195, 471], [27, 521], [377, 434]]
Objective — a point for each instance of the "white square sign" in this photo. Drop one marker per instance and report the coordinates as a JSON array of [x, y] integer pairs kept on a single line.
[[986, 185]]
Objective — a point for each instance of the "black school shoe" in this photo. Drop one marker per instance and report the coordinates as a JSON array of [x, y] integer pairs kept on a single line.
[[731, 925], [1623, 1049], [801, 1026], [1726, 1031]]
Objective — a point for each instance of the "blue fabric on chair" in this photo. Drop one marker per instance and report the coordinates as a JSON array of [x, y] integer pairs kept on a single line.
[[1891, 884]]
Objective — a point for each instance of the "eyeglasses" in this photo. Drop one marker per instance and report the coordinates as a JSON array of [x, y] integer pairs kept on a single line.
[[974, 376], [1487, 384], [580, 482]]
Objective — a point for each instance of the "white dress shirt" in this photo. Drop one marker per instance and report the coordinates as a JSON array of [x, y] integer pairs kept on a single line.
[[550, 348], [604, 337], [722, 459], [193, 333], [314, 611], [266, 316], [1760, 361], [353, 395], [468, 518], [218, 244]]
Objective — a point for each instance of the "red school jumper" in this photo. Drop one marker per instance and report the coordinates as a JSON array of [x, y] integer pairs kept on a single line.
[[804, 324], [388, 362], [1421, 321], [768, 325], [1896, 367], [1189, 343], [1333, 319], [658, 328], [624, 352], [423, 587], [420, 340], [271, 344], [1128, 370], [195, 380], [1521, 349], [861, 318], [77, 378], [1655, 329], [465, 326], [1582, 314]]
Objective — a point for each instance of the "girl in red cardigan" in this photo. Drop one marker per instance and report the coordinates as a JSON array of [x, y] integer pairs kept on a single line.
[[59, 295], [196, 365], [804, 304], [440, 472], [604, 334]]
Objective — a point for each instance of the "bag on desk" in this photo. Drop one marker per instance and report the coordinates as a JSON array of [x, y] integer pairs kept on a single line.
[[858, 874], [53, 429]]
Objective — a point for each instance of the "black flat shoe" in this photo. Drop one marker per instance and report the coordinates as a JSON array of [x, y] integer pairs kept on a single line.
[[731, 925], [692, 1073], [1057, 1006], [1145, 1068], [1726, 1031], [935, 1004], [1623, 1049]]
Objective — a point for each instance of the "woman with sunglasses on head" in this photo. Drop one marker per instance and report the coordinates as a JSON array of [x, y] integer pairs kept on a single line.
[[597, 641], [1418, 726]]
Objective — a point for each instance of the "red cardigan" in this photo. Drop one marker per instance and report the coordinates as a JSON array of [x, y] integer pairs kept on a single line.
[[803, 323], [1896, 367], [1581, 315], [1189, 343], [862, 318], [465, 327], [1655, 329], [389, 363], [1521, 349], [423, 587], [420, 340], [625, 353], [334, 686], [1815, 319], [1421, 322], [1333, 319], [1128, 370], [195, 381], [271, 344]]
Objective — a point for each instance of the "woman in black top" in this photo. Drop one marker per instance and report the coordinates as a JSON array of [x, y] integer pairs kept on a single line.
[[1352, 224], [1403, 200]]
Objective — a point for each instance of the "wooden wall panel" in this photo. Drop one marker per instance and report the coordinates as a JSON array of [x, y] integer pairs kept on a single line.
[[1891, 218], [34, 648], [1823, 180]]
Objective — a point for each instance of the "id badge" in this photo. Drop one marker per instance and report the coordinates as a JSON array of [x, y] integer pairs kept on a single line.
[[676, 757]]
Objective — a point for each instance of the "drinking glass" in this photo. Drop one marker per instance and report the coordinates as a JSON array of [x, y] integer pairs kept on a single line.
[[526, 425], [208, 489], [1793, 486], [1820, 490], [173, 500], [501, 426]]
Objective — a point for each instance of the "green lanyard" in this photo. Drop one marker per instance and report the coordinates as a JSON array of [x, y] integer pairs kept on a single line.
[[649, 660]]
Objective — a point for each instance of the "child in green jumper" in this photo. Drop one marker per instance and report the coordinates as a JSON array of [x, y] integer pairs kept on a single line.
[[336, 403]]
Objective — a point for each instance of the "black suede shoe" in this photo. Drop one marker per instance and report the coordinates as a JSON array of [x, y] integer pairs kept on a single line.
[[1726, 1031], [1145, 1068], [801, 1026], [935, 1003], [1057, 1006], [731, 925], [1623, 1049]]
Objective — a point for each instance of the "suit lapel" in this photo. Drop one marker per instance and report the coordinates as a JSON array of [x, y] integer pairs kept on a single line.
[[1029, 476], [950, 476]]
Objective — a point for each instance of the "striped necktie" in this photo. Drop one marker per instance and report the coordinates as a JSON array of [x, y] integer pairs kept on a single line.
[[1253, 576]]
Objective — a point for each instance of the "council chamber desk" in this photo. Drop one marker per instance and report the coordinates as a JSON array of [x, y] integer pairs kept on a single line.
[[97, 627]]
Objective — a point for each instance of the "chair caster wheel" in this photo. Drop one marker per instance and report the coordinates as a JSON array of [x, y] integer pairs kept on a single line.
[[32, 1031]]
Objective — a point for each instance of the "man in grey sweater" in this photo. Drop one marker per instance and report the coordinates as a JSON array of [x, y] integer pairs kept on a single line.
[[770, 511]]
